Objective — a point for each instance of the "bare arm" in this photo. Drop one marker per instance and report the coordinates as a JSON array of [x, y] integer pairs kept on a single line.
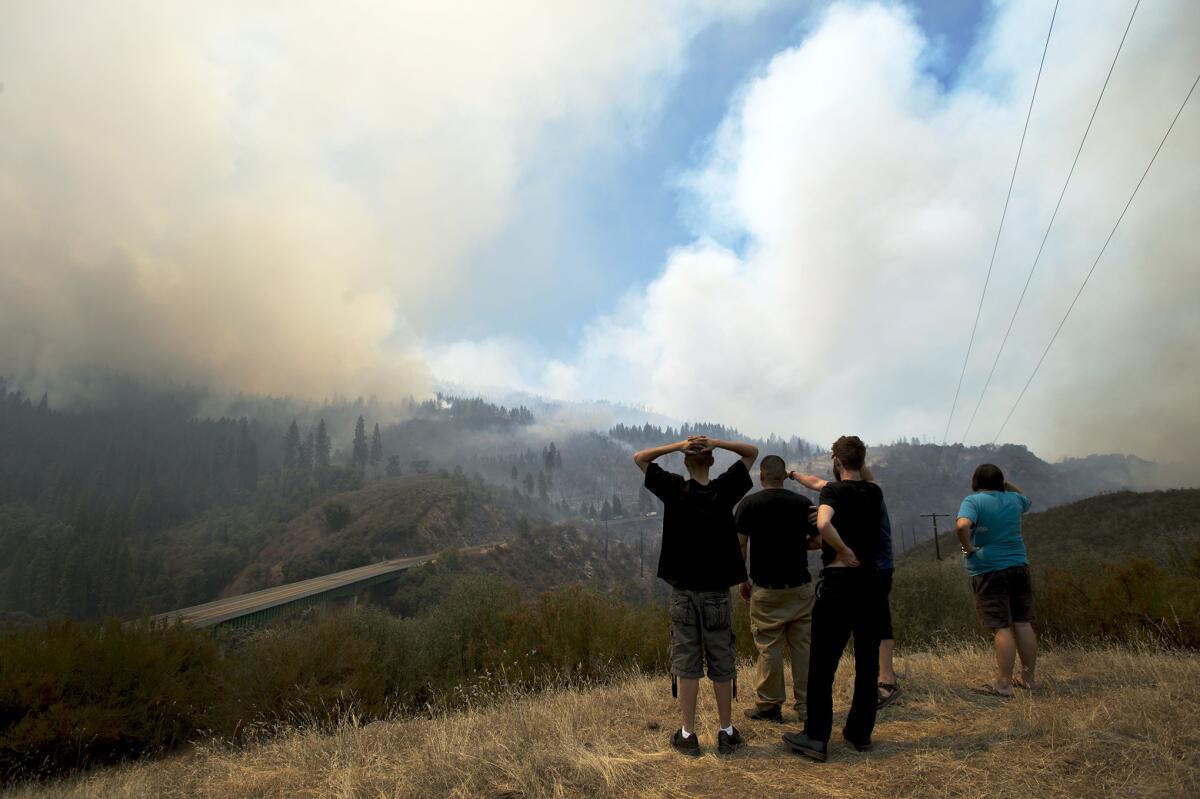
[[747, 452], [845, 555], [647, 456], [867, 474], [809, 481], [1013, 488], [963, 531]]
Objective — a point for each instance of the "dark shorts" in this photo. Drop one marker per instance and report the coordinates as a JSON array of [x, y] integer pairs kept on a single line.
[[884, 577], [1004, 597], [702, 632]]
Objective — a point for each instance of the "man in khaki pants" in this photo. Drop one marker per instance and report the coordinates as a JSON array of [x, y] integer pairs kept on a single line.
[[778, 526]]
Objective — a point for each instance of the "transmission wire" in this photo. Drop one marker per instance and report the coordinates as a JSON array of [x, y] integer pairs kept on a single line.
[[1053, 216], [1097, 261], [1003, 214]]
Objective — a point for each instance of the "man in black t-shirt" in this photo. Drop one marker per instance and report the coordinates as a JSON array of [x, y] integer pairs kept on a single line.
[[701, 560], [848, 519], [776, 524]]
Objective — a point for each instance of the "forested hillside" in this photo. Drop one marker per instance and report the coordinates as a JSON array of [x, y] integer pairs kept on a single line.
[[142, 503], [149, 499]]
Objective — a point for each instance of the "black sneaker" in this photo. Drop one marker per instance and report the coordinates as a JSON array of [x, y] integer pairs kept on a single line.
[[773, 713], [726, 744], [861, 746], [801, 744], [689, 746]]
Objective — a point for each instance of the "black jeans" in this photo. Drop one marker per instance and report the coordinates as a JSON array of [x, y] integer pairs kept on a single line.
[[847, 604]]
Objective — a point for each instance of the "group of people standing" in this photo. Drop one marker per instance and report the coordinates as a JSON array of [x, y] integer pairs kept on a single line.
[[712, 531]]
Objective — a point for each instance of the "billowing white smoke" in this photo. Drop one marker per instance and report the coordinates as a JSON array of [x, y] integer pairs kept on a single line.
[[276, 198], [862, 199]]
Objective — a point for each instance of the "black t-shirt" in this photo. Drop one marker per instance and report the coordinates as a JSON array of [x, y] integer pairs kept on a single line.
[[857, 506], [700, 549], [776, 522]]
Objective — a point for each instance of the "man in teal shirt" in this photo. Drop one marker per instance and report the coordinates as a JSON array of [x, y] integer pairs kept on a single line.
[[989, 529]]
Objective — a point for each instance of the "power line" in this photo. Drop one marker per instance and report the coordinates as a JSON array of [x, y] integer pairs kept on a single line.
[[1003, 214], [1053, 216], [1098, 257]]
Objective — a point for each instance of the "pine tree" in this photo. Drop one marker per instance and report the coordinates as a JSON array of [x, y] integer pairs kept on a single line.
[[246, 457], [617, 511], [307, 448], [606, 512], [393, 466], [542, 486], [291, 447], [529, 483], [323, 448], [376, 449], [362, 451], [72, 585]]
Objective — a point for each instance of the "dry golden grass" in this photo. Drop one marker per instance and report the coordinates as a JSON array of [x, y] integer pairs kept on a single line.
[[1104, 723]]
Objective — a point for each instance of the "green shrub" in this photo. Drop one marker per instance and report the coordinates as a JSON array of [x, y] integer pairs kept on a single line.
[[932, 602], [1136, 601], [72, 695], [336, 515]]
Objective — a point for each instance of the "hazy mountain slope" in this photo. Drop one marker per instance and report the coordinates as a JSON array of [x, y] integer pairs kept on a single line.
[[1159, 525], [388, 518]]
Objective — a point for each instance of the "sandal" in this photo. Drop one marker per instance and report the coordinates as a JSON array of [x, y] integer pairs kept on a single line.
[[882, 700], [987, 689], [1019, 682]]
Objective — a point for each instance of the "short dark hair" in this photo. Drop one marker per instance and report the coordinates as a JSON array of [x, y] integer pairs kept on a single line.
[[701, 459], [773, 468], [851, 451], [987, 477]]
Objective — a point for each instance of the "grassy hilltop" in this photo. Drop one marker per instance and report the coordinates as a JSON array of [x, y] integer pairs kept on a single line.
[[538, 670], [1107, 722]]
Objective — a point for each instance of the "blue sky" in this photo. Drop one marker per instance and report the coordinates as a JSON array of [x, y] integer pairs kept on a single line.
[[620, 212]]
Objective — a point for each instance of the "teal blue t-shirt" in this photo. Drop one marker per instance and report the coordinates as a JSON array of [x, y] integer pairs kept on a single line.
[[997, 534]]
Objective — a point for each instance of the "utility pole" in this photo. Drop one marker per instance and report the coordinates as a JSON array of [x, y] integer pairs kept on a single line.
[[936, 545]]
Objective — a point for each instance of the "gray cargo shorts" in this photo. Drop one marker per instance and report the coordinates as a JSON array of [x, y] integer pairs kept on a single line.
[[702, 630]]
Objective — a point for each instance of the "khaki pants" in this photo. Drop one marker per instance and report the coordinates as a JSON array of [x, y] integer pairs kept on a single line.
[[781, 620]]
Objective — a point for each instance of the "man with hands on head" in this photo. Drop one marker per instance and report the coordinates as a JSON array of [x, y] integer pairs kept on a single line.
[[848, 519], [701, 560]]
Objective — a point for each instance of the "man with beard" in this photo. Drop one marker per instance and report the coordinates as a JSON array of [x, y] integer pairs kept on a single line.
[[848, 519]]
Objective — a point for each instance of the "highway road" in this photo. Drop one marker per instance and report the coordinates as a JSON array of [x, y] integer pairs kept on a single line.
[[223, 610]]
